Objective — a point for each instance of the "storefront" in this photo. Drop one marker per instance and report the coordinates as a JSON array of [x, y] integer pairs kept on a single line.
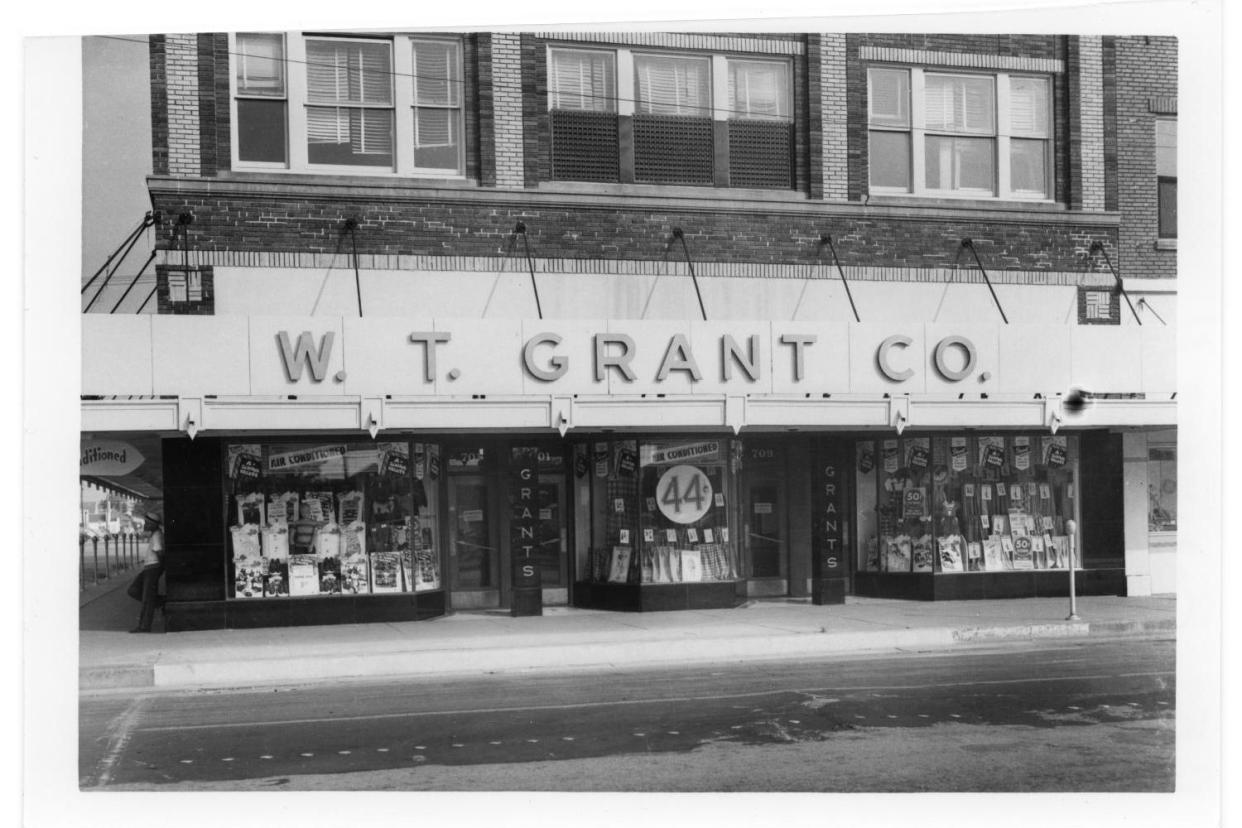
[[326, 470]]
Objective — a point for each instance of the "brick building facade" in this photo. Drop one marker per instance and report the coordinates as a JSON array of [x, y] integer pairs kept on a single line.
[[877, 266]]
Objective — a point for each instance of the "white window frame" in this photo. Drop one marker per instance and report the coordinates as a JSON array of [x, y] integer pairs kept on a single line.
[[615, 91], [1001, 137], [296, 103], [626, 86]]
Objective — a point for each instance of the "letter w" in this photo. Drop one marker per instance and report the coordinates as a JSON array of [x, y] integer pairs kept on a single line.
[[305, 355]]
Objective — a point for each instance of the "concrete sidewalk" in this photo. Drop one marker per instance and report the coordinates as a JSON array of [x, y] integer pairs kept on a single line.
[[479, 643]]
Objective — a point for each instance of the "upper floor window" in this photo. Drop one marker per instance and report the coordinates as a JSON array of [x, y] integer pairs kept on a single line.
[[347, 104], [1166, 177], [664, 118], [959, 134]]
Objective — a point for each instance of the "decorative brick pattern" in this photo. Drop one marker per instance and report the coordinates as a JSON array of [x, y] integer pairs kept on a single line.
[[507, 110], [963, 60], [1090, 105], [834, 111], [433, 225], [184, 140], [200, 303], [648, 267], [1162, 105], [788, 44], [1099, 305]]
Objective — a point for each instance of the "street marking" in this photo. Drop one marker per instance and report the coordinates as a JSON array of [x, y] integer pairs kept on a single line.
[[308, 754], [456, 745], [381, 750], [120, 731], [419, 747], [343, 752], [266, 756], [493, 743], [567, 738], [227, 759], [250, 724]]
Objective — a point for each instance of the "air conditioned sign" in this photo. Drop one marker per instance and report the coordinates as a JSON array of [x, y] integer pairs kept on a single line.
[[108, 458]]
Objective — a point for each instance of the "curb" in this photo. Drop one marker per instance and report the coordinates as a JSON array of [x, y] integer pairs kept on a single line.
[[649, 653]]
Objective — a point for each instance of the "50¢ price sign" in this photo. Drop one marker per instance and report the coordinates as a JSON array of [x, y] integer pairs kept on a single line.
[[684, 494]]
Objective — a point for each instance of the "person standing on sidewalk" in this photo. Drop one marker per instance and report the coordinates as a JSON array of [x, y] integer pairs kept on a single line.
[[152, 569]]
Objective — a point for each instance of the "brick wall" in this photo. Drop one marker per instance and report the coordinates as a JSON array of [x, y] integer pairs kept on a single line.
[[507, 116], [184, 138], [1146, 69], [159, 105], [436, 227], [833, 111]]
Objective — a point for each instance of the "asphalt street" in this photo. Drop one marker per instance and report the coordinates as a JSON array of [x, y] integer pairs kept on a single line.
[[1003, 712]]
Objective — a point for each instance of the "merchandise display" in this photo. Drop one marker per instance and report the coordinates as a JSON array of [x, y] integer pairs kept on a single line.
[[966, 503], [313, 519], [662, 510]]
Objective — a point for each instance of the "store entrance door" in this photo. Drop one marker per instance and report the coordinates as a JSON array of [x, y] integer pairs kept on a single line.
[[766, 526], [551, 540], [474, 566]]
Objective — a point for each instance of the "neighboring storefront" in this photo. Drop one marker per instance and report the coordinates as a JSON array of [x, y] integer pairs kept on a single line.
[[335, 470]]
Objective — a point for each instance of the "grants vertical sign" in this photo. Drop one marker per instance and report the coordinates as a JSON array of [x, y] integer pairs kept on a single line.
[[523, 531], [828, 569]]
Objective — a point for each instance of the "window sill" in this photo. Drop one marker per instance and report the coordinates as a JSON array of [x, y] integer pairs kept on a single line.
[[1166, 244], [1033, 205], [346, 179], [671, 191]]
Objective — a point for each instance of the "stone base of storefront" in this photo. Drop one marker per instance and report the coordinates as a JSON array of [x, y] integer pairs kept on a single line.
[[181, 616], [928, 586], [657, 597]]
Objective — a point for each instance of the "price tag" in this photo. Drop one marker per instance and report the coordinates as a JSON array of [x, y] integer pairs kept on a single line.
[[692, 535], [968, 490], [986, 521], [1000, 490], [986, 491], [624, 539], [649, 536], [684, 494], [1045, 493], [724, 534], [708, 536], [1015, 492], [618, 505], [670, 535], [1031, 488], [719, 500], [651, 504]]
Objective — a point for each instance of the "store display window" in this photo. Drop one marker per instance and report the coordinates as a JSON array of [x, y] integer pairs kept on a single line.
[[966, 503], [1162, 489], [332, 518], [662, 511]]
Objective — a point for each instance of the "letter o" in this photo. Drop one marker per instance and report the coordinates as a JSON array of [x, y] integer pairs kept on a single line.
[[881, 357], [967, 347]]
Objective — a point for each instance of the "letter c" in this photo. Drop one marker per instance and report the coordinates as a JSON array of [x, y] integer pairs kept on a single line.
[[881, 357]]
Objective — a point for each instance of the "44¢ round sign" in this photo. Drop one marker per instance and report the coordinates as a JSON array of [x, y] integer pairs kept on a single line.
[[684, 494]]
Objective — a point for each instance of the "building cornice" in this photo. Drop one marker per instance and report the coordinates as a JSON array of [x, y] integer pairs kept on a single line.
[[280, 187]]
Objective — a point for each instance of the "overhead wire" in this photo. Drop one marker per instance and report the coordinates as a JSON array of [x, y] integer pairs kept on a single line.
[[461, 82]]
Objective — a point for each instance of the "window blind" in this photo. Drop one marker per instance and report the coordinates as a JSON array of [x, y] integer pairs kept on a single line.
[[581, 81], [672, 86]]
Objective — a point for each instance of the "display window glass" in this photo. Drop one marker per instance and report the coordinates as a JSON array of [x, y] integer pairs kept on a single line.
[[964, 503], [1162, 489], [332, 518], [662, 512]]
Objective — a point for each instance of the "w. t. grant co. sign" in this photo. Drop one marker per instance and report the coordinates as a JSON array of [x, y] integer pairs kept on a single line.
[[325, 356], [640, 357]]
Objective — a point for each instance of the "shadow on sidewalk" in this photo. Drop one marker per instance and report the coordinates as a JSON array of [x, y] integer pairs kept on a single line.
[[109, 609]]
